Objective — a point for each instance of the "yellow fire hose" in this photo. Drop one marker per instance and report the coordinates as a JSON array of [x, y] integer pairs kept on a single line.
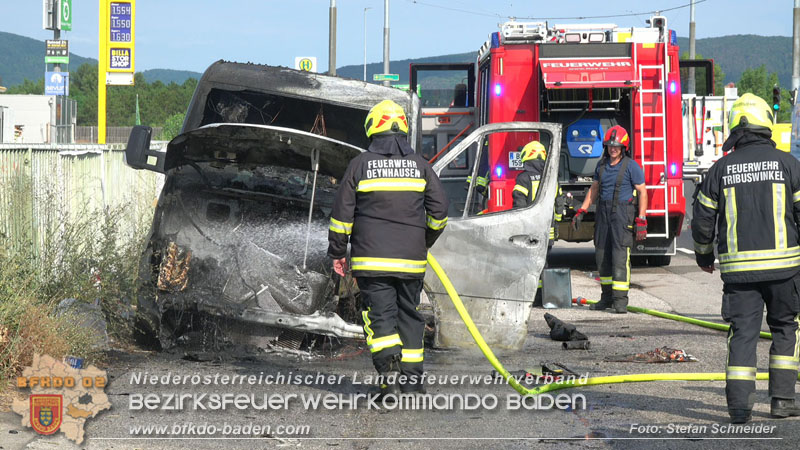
[[487, 352], [690, 320]]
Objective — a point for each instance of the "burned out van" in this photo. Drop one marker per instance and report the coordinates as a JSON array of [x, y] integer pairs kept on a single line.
[[239, 237], [240, 228]]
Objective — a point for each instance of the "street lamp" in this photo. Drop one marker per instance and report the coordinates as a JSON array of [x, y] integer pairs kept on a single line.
[[365, 43]]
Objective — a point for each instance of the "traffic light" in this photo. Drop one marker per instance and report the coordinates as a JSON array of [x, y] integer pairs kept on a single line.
[[776, 98]]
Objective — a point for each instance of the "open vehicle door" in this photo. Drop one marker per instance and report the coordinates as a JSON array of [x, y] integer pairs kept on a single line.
[[493, 259]]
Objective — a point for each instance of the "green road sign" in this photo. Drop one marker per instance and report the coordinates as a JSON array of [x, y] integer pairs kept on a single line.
[[66, 15], [385, 77]]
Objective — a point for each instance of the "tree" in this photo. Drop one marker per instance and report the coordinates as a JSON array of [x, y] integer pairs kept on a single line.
[[83, 88], [759, 82], [28, 87], [157, 102], [172, 126]]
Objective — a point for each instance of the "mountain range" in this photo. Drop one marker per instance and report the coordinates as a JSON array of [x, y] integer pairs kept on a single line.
[[23, 57]]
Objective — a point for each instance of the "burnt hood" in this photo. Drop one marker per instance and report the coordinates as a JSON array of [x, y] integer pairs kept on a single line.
[[260, 145]]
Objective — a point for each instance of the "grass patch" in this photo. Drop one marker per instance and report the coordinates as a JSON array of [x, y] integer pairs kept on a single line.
[[87, 257]]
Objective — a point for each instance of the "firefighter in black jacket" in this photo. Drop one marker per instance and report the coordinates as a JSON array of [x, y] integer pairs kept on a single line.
[[533, 156], [616, 223], [750, 201], [392, 207]]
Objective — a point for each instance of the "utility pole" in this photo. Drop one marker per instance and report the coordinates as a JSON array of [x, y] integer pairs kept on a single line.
[[692, 88], [56, 68], [365, 42], [332, 40], [386, 39], [796, 49]]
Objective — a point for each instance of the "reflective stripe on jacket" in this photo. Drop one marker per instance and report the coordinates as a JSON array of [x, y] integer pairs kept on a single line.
[[750, 202], [391, 208]]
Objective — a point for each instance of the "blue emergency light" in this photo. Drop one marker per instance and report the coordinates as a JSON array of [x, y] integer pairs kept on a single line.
[[498, 170], [673, 169], [672, 87], [498, 90], [495, 39]]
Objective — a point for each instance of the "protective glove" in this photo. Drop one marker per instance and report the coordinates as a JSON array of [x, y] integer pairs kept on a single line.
[[705, 261], [577, 218], [641, 228]]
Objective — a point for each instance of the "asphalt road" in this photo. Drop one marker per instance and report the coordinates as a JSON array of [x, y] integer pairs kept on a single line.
[[631, 415]]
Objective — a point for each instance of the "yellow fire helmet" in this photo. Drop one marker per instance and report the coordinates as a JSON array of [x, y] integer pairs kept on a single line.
[[387, 117], [533, 150], [751, 112]]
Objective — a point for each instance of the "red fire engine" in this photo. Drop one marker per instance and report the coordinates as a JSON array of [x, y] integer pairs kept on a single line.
[[587, 78]]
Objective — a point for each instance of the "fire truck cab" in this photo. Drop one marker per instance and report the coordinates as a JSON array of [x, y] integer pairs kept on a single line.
[[586, 78]]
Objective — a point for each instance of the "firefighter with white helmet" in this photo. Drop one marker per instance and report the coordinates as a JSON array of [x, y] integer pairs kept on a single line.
[[391, 207], [750, 203], [616, 179]]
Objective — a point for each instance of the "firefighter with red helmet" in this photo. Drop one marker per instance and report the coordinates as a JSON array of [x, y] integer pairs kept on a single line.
[[750, 202], [616, 179], [391, 207]]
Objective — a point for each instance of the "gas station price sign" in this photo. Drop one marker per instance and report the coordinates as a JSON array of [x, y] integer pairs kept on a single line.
[[121, 22], [119, 29]]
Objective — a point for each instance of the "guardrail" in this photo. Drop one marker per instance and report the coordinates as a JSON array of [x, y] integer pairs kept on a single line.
[[43, 186]]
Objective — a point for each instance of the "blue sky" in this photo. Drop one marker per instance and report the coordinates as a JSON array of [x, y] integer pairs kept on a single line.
[[191, 34]]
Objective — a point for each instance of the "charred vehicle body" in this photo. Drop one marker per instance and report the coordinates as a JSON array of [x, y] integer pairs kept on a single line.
[[241, 225], [239, 236]]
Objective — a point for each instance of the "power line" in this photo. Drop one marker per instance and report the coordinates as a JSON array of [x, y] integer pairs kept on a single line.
[[477, 13], [448, 8]]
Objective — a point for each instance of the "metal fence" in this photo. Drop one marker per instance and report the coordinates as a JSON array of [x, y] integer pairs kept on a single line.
[[114, 135], [66, 110], [43, 188]]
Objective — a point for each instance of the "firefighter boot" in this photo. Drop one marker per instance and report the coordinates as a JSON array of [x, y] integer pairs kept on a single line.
[[606, 299], [415, 388], [389, 378], [784, 407], [739, 415], [620, 302]]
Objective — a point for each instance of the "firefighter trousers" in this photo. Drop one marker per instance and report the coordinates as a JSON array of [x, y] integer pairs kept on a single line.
[[613, 238], [393, 325], [743, 306]]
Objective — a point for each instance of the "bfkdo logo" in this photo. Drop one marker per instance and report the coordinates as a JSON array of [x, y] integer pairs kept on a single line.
[[63, 396], [46, 413]]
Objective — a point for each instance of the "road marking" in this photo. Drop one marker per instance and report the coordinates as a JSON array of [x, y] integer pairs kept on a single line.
[[689, 252]]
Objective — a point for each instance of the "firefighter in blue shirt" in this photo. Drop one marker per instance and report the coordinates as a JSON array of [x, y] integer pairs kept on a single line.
[[391, 207], [616, 223], [750, 202]]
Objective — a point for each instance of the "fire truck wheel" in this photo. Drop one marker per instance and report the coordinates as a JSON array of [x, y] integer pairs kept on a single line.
[[659, 260], [638, 260]]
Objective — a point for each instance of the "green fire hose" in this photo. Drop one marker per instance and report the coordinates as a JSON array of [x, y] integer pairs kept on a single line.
[[490, 356]]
